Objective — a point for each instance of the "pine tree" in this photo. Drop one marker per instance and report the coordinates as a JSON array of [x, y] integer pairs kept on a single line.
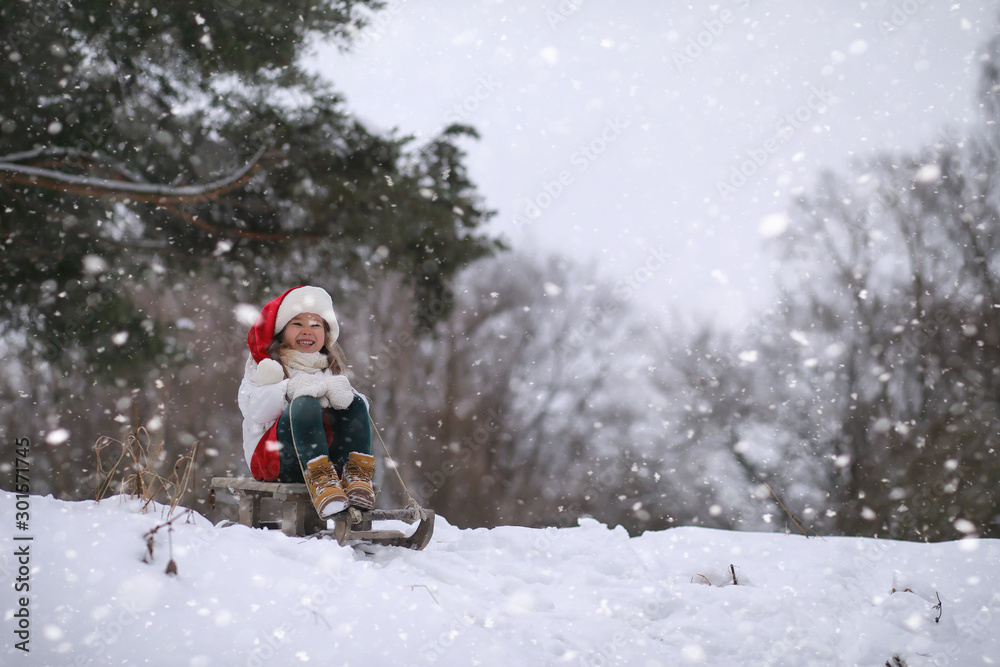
[[154, 140]]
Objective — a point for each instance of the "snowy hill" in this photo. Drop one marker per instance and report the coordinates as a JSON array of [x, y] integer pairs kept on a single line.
[[588, 595]]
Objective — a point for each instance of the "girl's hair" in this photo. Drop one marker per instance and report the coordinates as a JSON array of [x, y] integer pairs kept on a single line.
[[333, 352]]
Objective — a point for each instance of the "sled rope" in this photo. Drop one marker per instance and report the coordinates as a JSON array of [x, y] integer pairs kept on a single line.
[[412, 503]]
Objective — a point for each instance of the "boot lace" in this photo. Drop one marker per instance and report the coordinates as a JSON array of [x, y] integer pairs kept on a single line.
[[324, 477], [353, 471]]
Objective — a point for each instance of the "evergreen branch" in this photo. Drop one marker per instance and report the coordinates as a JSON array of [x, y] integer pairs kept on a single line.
[[193, 219]]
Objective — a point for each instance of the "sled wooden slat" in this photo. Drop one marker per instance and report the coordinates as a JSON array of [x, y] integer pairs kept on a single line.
[[298, 516]]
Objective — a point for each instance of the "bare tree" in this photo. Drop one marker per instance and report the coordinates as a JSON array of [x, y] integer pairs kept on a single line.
[[890, 282], [521, 407]]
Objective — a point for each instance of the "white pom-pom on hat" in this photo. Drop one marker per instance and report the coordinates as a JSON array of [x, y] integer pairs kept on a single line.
[[307, 299]]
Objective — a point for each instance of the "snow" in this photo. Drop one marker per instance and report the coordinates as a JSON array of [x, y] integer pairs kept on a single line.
[[587, 595]]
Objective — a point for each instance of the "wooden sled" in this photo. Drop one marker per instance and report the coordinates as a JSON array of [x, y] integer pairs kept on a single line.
[[299, 518]]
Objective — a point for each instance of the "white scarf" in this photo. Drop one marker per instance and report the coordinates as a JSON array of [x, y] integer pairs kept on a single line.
[[310, 362]]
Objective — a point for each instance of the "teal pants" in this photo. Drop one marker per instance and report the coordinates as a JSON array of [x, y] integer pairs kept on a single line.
[[306, 430]]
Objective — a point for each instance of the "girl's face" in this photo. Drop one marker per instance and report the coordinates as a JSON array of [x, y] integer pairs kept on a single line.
[[304, 333]]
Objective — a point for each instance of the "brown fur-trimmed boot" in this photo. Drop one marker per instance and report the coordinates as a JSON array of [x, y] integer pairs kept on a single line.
[[358, 473], [324, 487]]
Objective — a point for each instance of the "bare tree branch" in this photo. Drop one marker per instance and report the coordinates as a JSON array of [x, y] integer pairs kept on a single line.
[[118, 189]]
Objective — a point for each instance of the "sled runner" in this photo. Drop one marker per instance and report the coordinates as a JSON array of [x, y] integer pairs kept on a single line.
[[355, 524], [299, 518]]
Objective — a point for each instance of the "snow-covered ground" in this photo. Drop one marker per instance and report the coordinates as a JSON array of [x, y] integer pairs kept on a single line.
[[588, 595]]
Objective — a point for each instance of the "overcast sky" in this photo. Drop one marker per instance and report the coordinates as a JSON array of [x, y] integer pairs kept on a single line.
[[631, 130]]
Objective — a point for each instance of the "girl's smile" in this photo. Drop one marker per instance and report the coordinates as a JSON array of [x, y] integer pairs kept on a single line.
[[305, 333]]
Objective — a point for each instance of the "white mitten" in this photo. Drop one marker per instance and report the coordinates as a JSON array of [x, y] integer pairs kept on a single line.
[[269, 371], [339, 392], [306, 384]]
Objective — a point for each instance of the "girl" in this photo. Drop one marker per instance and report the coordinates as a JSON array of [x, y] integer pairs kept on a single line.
[[302, 420]]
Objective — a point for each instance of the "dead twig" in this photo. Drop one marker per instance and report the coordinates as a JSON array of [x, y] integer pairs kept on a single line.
[[790, 515], [424, 586], [939, 606], [150, 541]]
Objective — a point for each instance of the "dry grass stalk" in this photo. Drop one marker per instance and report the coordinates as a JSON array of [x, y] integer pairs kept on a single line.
[[132, 463], [790, 515]]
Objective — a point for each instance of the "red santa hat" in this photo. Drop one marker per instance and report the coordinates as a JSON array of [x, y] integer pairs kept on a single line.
[[280, 311]]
